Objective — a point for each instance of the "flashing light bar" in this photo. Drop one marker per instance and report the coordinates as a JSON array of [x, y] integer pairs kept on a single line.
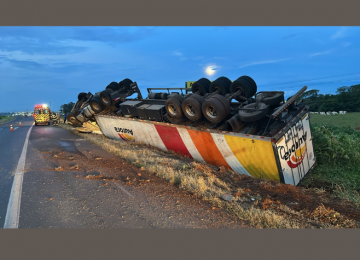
[[41, 105]]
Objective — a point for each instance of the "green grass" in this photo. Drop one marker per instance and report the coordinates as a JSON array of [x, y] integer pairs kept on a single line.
[[349, 119], [4, 119]]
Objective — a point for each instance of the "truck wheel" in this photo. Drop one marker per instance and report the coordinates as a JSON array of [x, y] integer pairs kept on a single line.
[[221, 84], [250, 116], [245, 88], [271, 98], [177, 96], [113, 86], [105, 98], [82, 96], [96, 105], [202, 85], [214, 110], [191, 108], [173, 107], [223, 100], [36, 124], [125, 84], [251, 81]]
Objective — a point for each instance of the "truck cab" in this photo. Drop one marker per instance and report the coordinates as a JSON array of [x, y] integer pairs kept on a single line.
[[42, 115]]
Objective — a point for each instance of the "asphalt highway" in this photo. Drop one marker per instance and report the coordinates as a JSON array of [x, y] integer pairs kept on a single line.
[[52, 188]]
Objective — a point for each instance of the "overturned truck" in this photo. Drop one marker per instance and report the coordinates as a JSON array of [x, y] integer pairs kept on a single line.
[[222, 123]]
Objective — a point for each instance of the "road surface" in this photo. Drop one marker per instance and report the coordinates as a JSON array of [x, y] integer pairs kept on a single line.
[[55, 191]]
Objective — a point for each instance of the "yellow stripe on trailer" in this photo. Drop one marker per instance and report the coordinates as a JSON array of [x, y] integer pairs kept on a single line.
[[256, 156]]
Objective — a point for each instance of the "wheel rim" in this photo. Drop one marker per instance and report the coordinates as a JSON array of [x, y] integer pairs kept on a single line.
[[95, 106], [105, 100], [190, 110], [172, 109], [211, 112]]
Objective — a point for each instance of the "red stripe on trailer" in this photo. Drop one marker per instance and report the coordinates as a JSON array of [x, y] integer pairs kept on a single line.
[[172, 139]]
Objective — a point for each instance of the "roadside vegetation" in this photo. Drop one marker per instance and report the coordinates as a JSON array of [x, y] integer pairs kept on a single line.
[[337, 149], [261, 203], [4, 119]]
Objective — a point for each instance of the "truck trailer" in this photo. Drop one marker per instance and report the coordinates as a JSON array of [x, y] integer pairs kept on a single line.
[[264, 137]]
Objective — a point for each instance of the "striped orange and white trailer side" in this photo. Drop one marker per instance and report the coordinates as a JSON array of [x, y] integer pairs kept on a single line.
[[250, 155]]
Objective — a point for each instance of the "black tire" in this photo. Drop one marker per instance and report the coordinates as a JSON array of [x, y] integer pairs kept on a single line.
[[250, 116], [191, 108], [105, 98], [251, 81], [177, 96], [224, 102], [214, 110], [71, 117], [202, 85], [125, 84], [221, 84], [96, 105], [246, 89], [173, 107], [82, 96], [198, 98], [49, 123], [36, 124], [113, 86], [270, 98]]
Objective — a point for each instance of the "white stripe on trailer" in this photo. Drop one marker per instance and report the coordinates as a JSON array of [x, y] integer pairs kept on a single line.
[[154, 135], [184, 134], [139, 132], [228, 155]]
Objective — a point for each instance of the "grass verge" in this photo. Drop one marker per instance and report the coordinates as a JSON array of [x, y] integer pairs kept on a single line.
[[4, 119]]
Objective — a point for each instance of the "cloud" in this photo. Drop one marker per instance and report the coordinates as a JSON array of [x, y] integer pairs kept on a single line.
[[29, 65], [178, 53], [339, 34], [346, 44], [261, 62], [290, 36], [182, 57], [320, 53]]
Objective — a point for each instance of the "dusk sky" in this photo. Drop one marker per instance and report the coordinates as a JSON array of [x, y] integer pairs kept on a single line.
[[53, 64]]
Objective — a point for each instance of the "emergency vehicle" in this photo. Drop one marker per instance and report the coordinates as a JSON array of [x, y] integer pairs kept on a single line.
[[42, 115]]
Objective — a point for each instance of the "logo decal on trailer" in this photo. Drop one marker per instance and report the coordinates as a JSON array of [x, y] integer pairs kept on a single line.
[[296, 153], [125, 134]]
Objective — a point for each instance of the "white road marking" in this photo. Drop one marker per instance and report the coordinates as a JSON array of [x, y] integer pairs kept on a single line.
[[0, 128], [13, 209], [15, 128], [122, 188]]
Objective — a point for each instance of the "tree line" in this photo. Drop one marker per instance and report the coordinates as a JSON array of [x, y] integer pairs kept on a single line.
[[345, 99]]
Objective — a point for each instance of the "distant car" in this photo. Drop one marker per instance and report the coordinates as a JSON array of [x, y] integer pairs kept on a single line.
[[25, 115]]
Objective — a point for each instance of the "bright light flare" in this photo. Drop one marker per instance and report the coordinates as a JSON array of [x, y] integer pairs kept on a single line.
[[209, 71]]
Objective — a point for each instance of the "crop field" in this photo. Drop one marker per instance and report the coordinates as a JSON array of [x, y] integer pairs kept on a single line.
[[337, 149], [350, 119]]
